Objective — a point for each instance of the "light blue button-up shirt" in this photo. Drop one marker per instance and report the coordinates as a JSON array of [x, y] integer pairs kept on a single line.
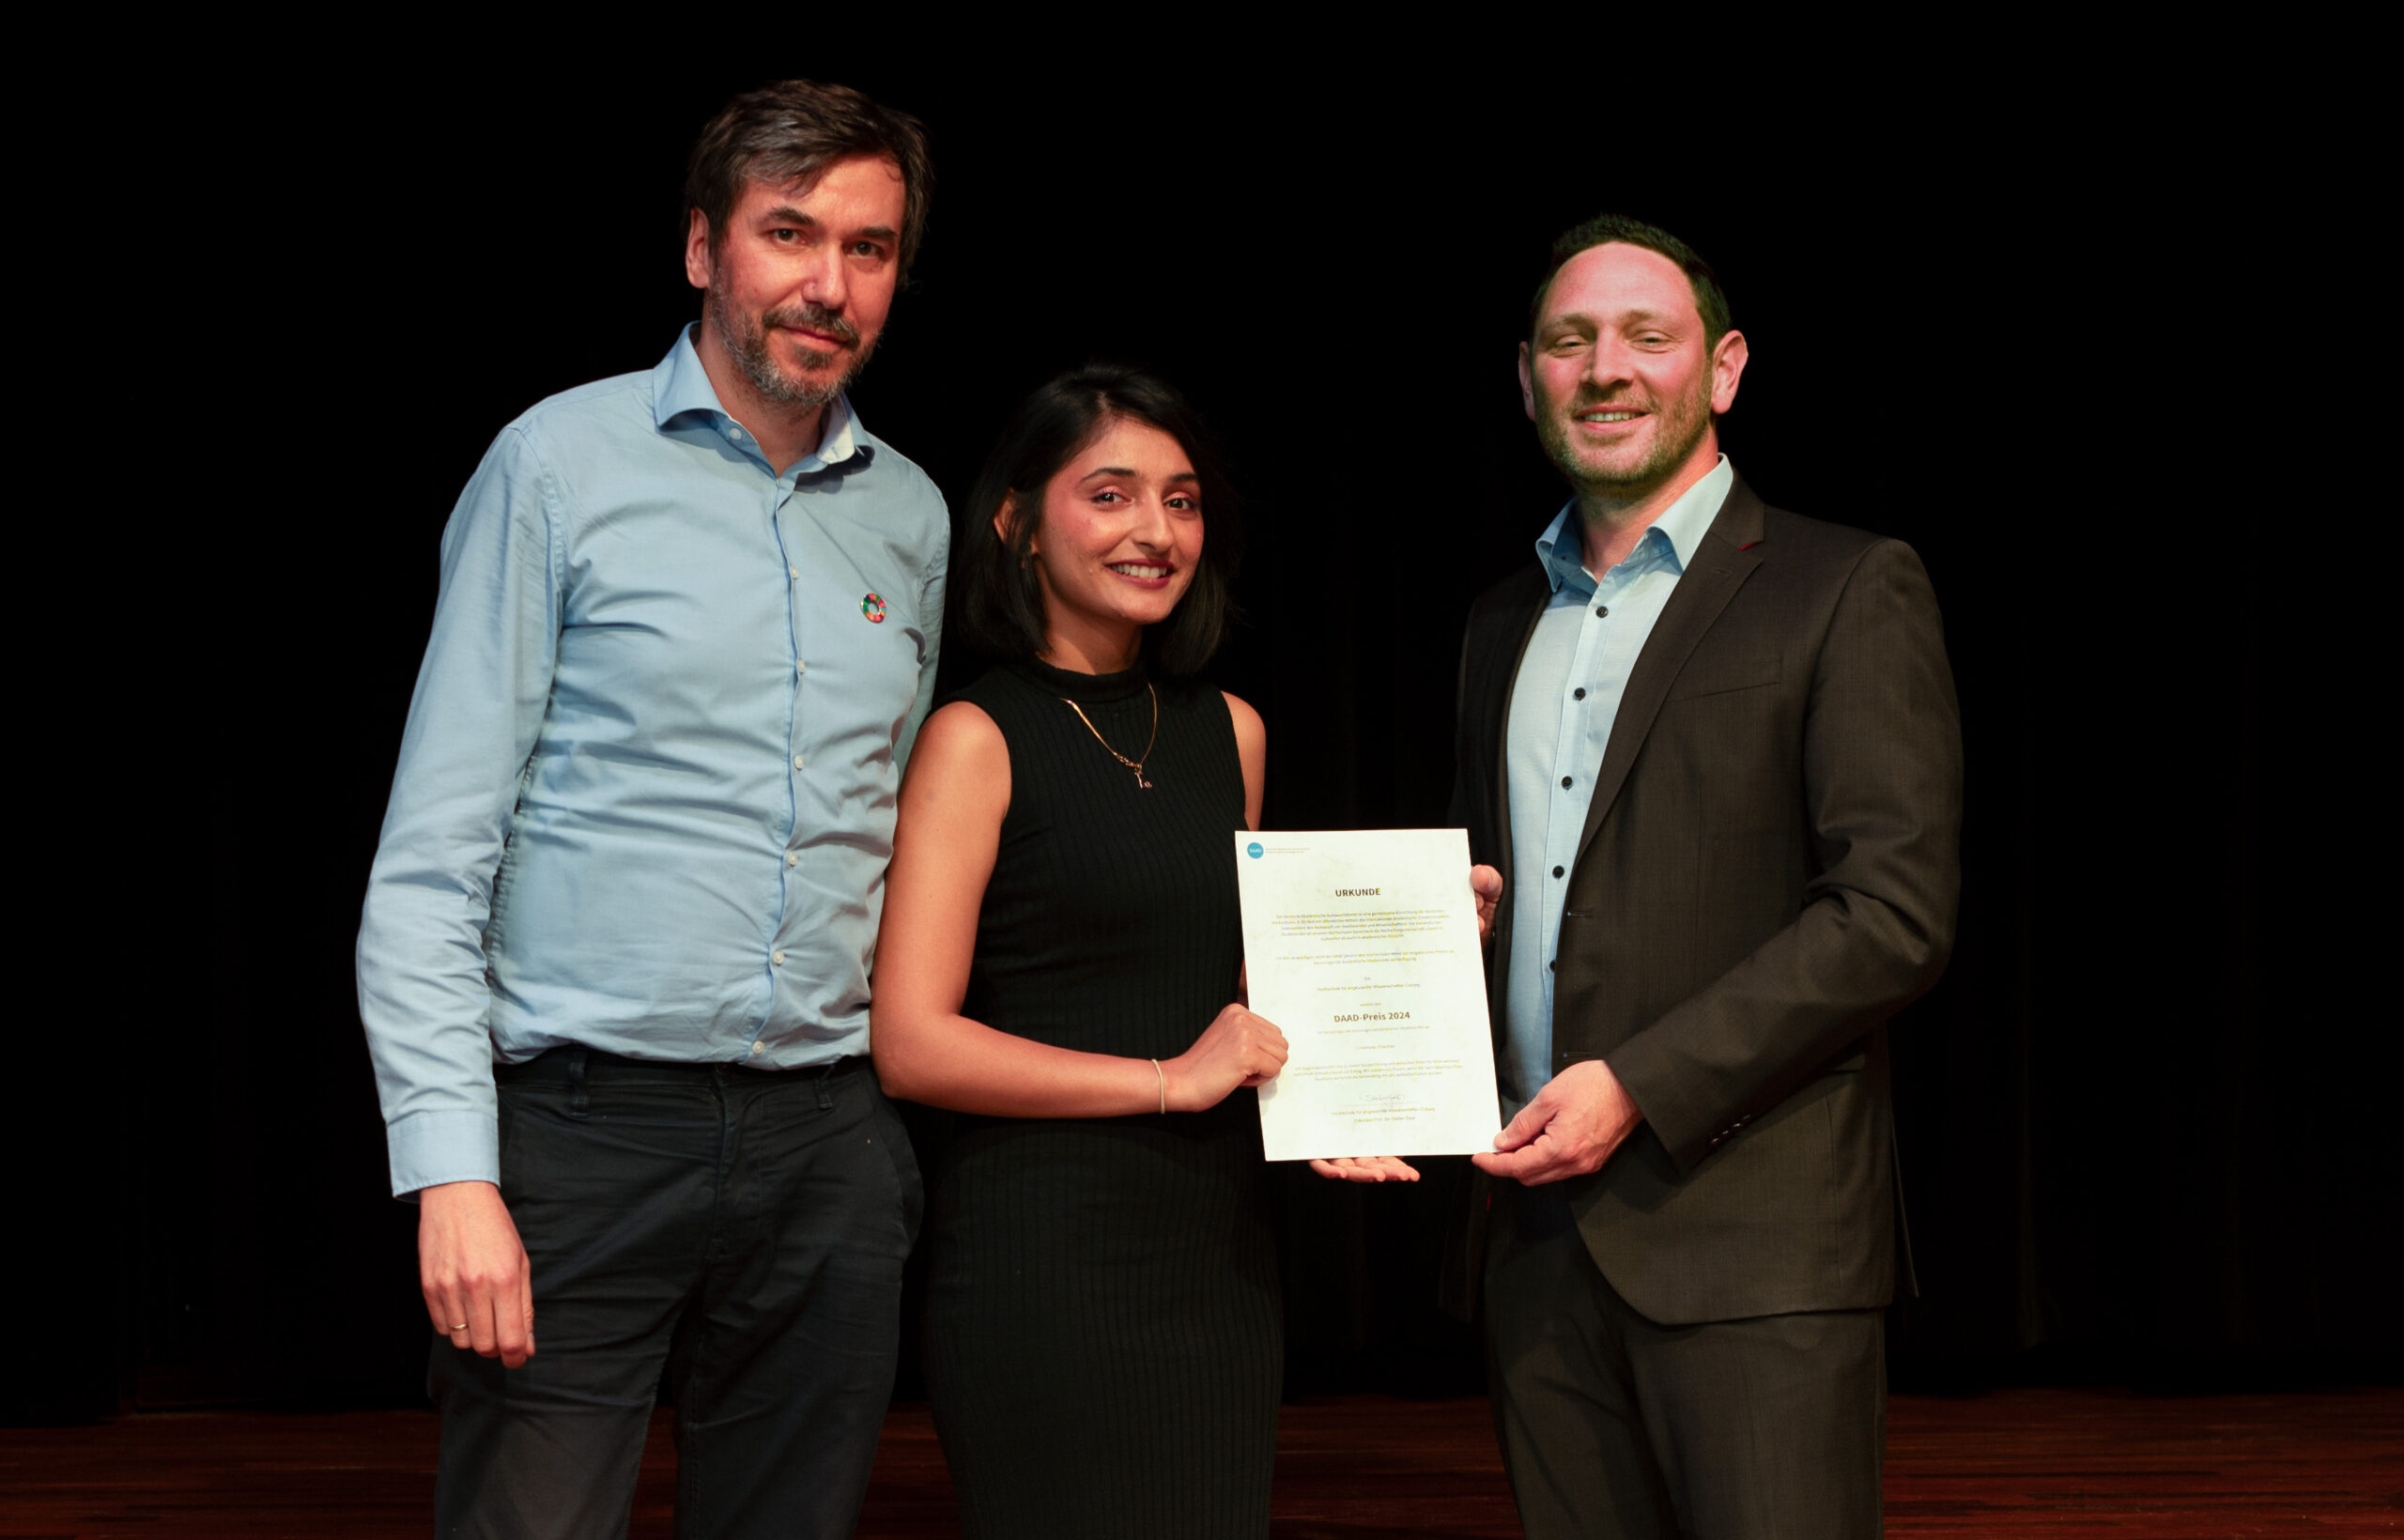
[[1563, 703], [646, 793]]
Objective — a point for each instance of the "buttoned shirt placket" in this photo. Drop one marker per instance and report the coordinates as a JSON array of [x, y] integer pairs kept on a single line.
[[783, 504], [1570, 787]]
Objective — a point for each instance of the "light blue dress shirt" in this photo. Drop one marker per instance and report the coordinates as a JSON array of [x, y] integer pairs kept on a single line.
[[1564, 700], [646, 793]]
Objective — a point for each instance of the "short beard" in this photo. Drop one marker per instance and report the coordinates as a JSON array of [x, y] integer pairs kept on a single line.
[[1669, 449], [747, 345]]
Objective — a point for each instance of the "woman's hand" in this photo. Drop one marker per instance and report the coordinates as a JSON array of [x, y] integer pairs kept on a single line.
[[1237, 1049], [1366, 1168]]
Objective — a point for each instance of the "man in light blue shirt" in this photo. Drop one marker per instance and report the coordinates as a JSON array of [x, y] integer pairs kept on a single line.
[[613, 963]]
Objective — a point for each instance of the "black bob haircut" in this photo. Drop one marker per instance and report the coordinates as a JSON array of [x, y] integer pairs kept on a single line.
[[1710, 299], [1001, 601]]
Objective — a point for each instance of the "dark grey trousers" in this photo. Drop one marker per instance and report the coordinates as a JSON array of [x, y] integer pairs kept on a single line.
[[1612, 1426], [742, 1230]]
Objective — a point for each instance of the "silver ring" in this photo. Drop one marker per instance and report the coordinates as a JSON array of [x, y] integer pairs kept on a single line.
[[461, 1327]]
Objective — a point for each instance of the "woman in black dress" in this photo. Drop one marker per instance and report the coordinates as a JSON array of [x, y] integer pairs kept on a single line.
[[1060, 961]]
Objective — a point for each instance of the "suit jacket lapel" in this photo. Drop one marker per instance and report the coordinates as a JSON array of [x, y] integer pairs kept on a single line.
[[1726, 557], [1496, 648], [1507, 685]]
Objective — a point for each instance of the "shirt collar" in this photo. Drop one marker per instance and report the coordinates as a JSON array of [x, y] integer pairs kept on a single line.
[[1560, 550], [681, 385]]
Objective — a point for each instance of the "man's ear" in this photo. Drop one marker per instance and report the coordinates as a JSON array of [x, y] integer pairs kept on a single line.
[[1727, 368], [697, 251], [1527, 385]]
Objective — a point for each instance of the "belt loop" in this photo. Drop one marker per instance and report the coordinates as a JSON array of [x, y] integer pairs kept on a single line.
[[578, 1104], [825, 1098]]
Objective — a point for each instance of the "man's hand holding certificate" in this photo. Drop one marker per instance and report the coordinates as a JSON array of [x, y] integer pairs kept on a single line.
[[1362, 946]]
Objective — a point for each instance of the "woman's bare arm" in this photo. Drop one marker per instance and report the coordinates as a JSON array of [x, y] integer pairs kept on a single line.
[[1252, 752]]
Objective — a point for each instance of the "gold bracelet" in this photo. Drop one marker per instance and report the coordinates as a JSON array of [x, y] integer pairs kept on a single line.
[[1162, 1076]]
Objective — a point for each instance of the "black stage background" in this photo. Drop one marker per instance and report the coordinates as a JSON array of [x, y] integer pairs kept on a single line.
[[2137, 1117]]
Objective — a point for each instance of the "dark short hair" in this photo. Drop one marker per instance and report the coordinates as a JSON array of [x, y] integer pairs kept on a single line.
[[1001, 600], [1710, 299], [794, 130]]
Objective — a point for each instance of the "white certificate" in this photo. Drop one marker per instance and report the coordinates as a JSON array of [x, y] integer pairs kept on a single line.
[[1362, 946]]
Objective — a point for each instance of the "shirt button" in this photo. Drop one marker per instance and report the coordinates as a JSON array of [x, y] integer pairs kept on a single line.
[[735, 434], [1556, 871], [792, 857], [799, 666], [792, 571], [797, 764], [778, 958], [1578, 694], [1564, 780], [1602, 610], [758, 1048]]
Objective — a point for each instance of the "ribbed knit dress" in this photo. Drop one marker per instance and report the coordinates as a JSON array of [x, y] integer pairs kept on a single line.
[[1103, 1332]]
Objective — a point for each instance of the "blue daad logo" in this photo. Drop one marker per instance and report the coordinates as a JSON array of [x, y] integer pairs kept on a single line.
[[1253, 850]]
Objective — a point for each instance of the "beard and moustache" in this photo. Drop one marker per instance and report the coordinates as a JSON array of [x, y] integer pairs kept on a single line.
[[746, 343], [1679, 424]]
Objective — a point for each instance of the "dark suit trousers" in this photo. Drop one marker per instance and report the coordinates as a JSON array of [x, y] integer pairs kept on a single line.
[[743, 1230], [1612, 1426]]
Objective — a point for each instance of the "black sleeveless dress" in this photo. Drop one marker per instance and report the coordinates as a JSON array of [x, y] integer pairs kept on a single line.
[[1103, 1330]]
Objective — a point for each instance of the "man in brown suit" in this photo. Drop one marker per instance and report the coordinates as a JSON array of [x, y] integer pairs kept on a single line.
[[1714, 751]]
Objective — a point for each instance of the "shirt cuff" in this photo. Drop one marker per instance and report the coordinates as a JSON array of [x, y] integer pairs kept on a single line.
[[431, 1147]]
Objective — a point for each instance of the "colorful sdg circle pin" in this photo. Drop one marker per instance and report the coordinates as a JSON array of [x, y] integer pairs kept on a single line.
[[874, 608]]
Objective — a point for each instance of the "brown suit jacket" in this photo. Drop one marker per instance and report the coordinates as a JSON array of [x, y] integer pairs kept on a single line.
[[1769, 870]]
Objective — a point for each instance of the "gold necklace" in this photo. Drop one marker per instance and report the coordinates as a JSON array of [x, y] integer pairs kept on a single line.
[[1136, 765]]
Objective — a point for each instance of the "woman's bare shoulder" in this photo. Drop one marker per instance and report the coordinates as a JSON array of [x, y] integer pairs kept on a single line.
[[960, 748], [1249, 727]]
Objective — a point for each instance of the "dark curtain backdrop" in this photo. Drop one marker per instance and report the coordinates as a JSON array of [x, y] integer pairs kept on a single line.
[[2141, 1118]]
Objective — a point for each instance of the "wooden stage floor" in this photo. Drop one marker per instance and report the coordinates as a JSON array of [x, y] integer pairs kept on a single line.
[[2015, 1462]]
